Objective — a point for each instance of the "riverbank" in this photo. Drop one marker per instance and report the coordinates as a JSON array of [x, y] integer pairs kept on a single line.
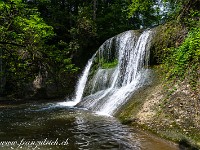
[[169, 110]]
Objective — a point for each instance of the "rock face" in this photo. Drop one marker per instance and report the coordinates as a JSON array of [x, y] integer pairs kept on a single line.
[[148, 109], [170, 110], [179, 107], [43, 89]]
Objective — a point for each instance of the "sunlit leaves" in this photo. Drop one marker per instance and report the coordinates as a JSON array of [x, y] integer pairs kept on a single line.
[[152, 12], [23, 35], [185, 60]]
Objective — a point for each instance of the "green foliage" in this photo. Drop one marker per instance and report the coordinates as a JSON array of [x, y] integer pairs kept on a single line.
[[168, 35], [84, 30], [191, 20], [112, 18], [107, 65], [176, 48], [141, 6], [184, 61], [148, 13], [24, 35], [145, 13], [22, 38]]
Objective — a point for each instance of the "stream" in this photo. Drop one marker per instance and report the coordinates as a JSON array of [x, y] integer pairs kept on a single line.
[[50, 126]]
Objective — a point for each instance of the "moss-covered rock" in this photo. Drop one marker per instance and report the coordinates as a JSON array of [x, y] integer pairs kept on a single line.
[[166, 36]]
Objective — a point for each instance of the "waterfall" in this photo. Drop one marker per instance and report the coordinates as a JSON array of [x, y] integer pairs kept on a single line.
[[113, 74], [80, 85]]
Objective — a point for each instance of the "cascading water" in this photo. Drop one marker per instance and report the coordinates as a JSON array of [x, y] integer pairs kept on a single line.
[[80, 86], [113, 74]]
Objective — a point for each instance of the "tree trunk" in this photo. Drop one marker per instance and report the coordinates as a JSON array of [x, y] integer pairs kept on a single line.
[[94, 9], [1, 73]]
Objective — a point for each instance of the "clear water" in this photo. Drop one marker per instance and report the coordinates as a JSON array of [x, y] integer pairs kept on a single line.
[[68, 128]]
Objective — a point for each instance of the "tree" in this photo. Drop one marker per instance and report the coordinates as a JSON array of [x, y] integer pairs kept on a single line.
[[112, 19], [24, 35], [94, 9]]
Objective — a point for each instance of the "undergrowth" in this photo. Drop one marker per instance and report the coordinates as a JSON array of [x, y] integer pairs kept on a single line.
[[184, 61]]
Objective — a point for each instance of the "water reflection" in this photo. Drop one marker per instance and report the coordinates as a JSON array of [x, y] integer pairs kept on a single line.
[[50, 126]]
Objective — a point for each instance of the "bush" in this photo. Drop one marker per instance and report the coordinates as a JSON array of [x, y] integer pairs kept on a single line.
[[184, 61]]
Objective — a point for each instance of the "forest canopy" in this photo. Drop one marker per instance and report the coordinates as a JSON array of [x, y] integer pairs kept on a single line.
[[53, 39]]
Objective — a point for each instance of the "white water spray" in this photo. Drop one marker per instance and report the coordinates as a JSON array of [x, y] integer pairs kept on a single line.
[[80, 86], [106, 89]]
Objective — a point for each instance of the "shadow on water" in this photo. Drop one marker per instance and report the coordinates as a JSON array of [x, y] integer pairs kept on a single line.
[[186, 145]]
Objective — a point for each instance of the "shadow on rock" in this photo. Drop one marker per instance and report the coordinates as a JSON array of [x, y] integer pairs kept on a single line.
[[186, 145]]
